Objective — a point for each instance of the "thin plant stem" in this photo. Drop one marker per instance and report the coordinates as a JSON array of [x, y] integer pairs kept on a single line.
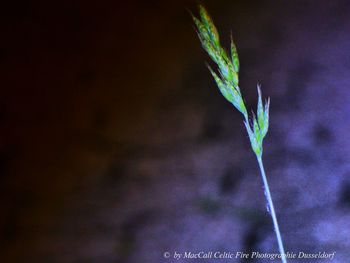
[[272, 210]]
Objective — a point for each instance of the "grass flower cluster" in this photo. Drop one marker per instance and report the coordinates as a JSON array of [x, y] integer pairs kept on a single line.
[[227, 82]]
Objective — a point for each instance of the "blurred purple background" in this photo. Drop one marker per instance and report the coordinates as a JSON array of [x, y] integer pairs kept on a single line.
[[117, 146]]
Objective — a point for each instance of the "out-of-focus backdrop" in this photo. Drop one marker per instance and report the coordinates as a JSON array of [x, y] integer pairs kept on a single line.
[[116, 145]]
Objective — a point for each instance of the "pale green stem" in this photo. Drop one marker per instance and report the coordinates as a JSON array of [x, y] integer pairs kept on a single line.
[[272, 210]]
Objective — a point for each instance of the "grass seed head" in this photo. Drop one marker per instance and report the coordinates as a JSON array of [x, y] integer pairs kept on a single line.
[[227, 79]]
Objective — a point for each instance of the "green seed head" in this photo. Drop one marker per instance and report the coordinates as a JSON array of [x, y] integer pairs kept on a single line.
[[227, 79]]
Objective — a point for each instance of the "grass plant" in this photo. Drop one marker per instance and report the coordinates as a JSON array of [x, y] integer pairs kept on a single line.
[[226, 78]]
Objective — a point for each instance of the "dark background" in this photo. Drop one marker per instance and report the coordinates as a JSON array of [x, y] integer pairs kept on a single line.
[[117, 146]]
